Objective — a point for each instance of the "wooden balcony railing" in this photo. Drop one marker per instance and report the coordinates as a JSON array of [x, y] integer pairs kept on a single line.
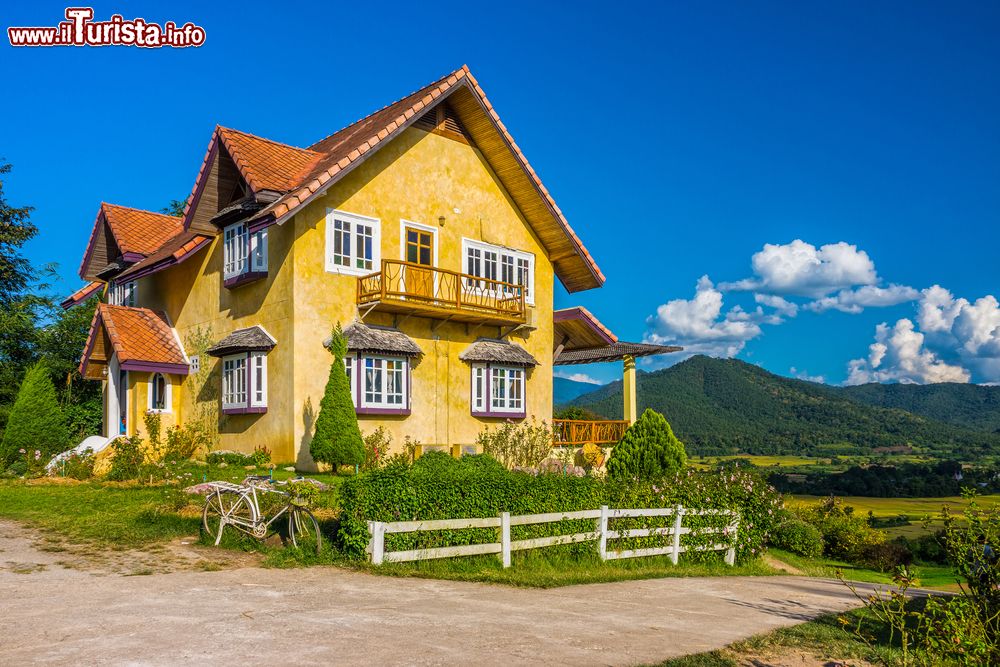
[[573, 432], [429, 291]]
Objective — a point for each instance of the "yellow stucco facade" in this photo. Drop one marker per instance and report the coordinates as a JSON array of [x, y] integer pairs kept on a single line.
[[421, 177]]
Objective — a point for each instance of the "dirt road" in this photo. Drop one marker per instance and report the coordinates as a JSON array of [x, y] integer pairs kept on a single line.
[[50, 614]]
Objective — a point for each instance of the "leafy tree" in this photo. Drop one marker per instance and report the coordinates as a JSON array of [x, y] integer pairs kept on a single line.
[[337, 440], [36, 421], [649, 449], [15, 230], [175, 207]]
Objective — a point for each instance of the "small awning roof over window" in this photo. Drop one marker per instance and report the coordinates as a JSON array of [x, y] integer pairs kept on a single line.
[[369, 338], [251, 339], [491, 350]]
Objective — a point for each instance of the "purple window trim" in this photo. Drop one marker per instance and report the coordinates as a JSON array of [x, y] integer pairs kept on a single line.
[[488, 396], [403, 412], [153, 367], [243, 279], [244, 411]]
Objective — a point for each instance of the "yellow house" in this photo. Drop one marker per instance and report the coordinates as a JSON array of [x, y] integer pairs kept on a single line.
[[420, 228]]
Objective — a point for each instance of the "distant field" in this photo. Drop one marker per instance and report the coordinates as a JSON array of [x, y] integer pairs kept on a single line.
[[915, 508], [759, 461]]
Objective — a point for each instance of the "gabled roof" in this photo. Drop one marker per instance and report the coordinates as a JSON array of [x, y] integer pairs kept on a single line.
[[134, 233], [250, 339], [141, 338], [174, 251], [576, 328], [299, 174], [492, 350], [81, 295]]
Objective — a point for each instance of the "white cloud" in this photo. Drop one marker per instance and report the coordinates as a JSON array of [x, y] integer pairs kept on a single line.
[[577, 377], [803, 375], [700, 326], [899, 355], [856, 300], [782, 306], [801, 269], [964, 331]]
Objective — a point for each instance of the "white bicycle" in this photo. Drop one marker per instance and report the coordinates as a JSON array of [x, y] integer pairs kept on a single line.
[[238, 505]]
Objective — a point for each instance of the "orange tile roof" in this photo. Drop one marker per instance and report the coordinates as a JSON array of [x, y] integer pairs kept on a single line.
[[82, 294], [138, 336], [174, 251], [301, 173], [140, 231]]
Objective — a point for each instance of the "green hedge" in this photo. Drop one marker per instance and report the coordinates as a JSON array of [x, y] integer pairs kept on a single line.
[[440, 487]]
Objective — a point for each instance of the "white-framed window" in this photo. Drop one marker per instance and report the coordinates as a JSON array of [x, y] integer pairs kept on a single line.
[[384, 381], [195, 363], [484, 260], [352, 243], [498, 390], [243, 252], [244, 381], [159, 393], [122, 294]]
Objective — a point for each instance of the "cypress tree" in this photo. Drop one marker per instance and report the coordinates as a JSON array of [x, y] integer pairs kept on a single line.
[[337, 439], [649, 449], [36, 422]]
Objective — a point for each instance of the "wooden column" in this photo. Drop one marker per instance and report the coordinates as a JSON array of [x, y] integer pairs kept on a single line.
[[628, 384]]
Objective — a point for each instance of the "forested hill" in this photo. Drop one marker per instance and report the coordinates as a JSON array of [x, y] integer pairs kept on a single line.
[[970, 405], [721, 406]]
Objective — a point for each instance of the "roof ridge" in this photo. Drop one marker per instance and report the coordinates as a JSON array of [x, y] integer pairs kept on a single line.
[[438, 81], [270, 141], [141, 210]]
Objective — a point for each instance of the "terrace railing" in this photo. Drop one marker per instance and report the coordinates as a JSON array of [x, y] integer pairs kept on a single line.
[[576, 432], [430, 291]]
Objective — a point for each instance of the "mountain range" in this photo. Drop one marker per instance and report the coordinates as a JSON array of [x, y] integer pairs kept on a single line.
[[727, 406]]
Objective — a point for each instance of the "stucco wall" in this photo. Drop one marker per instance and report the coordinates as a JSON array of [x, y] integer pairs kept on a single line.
[[419, 177]]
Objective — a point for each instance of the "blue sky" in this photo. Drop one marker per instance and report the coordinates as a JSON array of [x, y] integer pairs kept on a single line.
[[678, 139]]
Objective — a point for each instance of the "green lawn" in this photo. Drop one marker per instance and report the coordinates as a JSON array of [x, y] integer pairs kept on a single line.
[[928, 575], [759, 461]]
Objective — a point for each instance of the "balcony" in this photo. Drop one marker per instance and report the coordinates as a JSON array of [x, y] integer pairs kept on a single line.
[[426, 291], [574, 432]]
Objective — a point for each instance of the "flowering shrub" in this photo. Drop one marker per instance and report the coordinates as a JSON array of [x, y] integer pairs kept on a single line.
[[377, 444], [78, 465], [440, 487]]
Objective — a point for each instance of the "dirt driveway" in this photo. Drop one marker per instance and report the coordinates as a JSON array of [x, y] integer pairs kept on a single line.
[[50, 614]]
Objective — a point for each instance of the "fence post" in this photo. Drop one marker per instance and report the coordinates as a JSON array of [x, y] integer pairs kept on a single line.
[[377, 530], [675, 552], [505, 538], [731, 552], [602, 528]]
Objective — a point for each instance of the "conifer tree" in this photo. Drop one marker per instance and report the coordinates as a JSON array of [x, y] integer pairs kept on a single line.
[[649, 449], [337, 439], [36, 421]]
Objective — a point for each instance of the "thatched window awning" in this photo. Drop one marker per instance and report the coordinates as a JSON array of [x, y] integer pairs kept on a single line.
[[491, 350], [614, 352], [384, 340], [251, 339]]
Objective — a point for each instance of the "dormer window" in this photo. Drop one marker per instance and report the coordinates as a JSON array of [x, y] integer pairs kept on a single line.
[[122, 293], [244, 255]]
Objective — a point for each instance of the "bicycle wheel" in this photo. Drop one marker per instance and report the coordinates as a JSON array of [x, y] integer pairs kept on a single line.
[[303, 530], [229, 504]]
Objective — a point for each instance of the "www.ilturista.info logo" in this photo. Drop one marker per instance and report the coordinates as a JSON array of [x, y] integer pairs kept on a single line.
[[79, 29]]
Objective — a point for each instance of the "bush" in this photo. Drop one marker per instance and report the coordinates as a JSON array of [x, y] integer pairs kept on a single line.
[[182, 443], [846, 535], [337, 439], [648, 450], [885, 556], [78, 465], [377, 444], [798, 537], [261, 456], [513, 444], [127, 458], [36, 422], [441, 487]]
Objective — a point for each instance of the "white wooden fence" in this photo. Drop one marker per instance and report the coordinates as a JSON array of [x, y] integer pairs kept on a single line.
[[601, 533]]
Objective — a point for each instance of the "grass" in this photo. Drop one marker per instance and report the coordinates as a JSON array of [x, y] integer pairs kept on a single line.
[[789, 461], [824, 639], [940, 577]]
